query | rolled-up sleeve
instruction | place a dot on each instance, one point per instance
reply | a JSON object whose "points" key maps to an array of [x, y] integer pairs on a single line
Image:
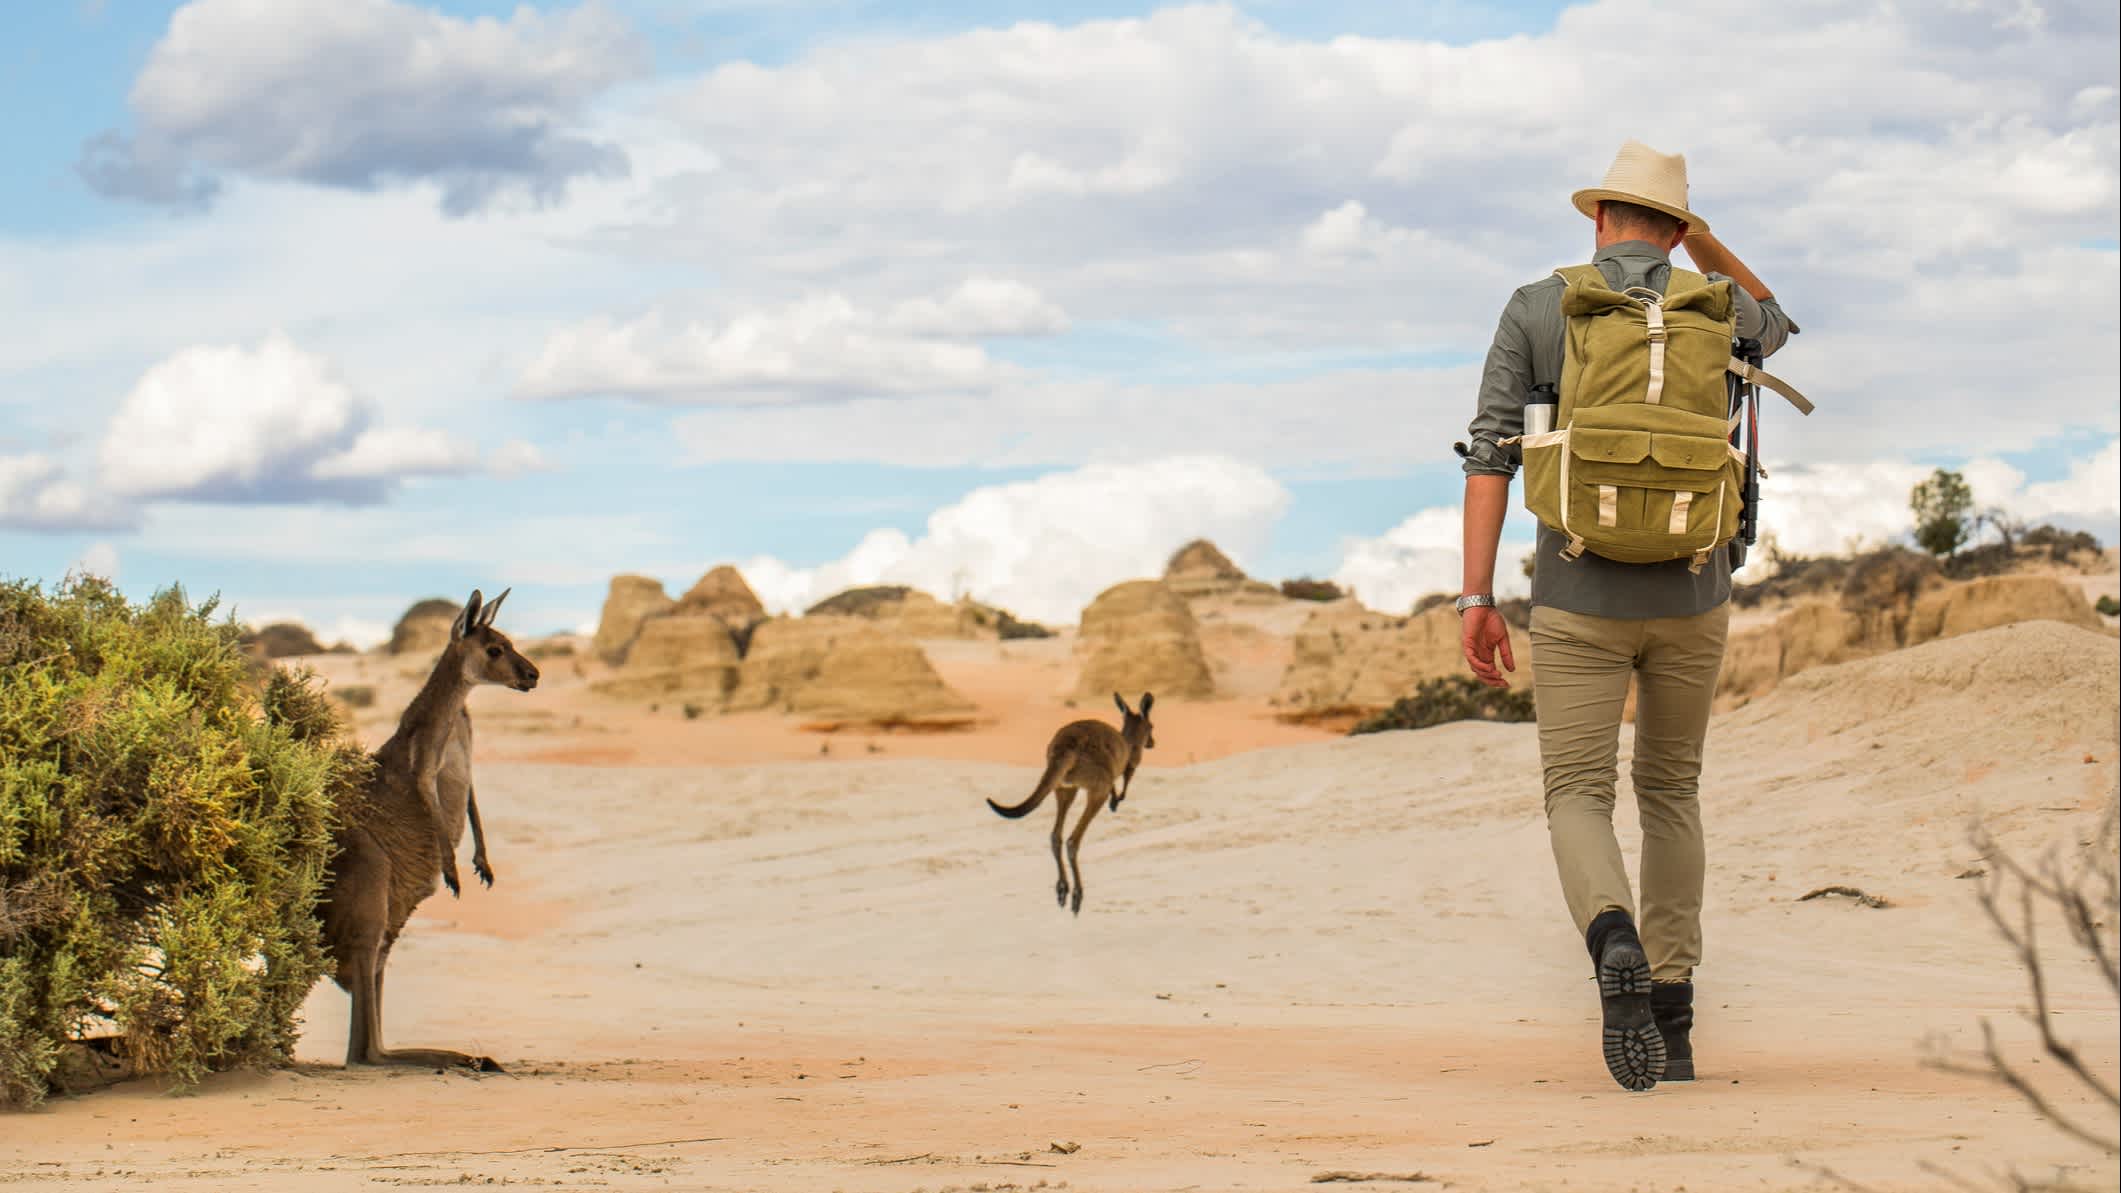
{"points": [[1761, 320], [1504, 382]]}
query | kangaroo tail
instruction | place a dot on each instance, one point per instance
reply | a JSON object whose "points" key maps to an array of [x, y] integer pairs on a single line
{"points": [[1046, 783]]}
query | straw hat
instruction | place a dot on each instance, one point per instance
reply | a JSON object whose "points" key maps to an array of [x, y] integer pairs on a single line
{"points": [[1644, 176]]}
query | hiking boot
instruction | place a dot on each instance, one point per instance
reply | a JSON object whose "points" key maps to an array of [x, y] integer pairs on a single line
{"points": [[1673, 1005], [1634, 1048]]}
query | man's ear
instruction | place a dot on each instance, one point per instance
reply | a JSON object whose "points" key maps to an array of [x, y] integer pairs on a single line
{"points": [[1677, 236]]}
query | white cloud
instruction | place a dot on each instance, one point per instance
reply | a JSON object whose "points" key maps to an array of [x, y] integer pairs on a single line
{"points": [[35, 494], [1349, 230], [2091, 490], [363, 93], [823, 348], [97, 559], [328, 626], [517, 457], [387, 452], [1363, 420], [267, 424], [1826, 510], [1422, 555], [981, 307], [1044, 548]]}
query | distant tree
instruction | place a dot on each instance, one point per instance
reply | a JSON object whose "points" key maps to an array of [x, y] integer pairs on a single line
{"points": [[1943, 506]]}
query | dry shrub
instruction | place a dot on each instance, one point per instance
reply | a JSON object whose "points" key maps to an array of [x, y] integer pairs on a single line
{"points": [[165, 824]]}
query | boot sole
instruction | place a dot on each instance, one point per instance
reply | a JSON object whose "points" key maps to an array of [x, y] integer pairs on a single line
{"points": [[1634, 1048]]}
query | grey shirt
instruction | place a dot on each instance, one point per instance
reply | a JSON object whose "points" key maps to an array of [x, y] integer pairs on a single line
{"points": [[1527, 352]]}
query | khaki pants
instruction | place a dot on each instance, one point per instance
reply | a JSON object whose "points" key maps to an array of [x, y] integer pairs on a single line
{"points": [[1580, 667]]}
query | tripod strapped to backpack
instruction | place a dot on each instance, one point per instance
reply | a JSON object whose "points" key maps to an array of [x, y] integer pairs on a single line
{"points": [[1746, 378], [1745, 403]]}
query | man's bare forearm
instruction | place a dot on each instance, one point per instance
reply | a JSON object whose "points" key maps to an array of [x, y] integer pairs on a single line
{"points": [[1713, 256], [1487, 501]]}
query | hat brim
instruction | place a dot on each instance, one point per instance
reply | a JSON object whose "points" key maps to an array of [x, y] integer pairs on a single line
{"points": [[1588, 199]]}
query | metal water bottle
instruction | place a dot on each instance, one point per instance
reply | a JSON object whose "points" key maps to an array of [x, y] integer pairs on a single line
{"points": [[1539, 408]]}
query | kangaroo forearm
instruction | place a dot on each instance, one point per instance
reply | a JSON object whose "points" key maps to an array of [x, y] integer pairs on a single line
{"points": [[1713, 256], [1487, 501]]}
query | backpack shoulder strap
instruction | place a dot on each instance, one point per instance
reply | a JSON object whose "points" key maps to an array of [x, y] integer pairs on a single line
{"points": [[1765, 379], [1582, 277], [1685, 279]]}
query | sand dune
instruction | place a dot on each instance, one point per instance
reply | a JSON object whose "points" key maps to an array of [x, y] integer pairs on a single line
{"points": [[1344, 955]]}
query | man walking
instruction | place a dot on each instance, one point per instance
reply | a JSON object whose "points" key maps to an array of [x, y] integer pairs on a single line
{"points": [[1598, 621]]}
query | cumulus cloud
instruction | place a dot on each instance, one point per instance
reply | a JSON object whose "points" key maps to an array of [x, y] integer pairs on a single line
{"points": [[1349, 230], [1805, 510], [978, 308], [36, 494], [269, 424], [1816, 511], [819, 349], [1374, 189], [1420, 556], [516, 457], [97, 559], [1044, 548], [366, 93], [1357, 419]]}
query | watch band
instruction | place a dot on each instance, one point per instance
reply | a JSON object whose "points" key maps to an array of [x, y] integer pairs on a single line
{"points": [[1475, 600]]}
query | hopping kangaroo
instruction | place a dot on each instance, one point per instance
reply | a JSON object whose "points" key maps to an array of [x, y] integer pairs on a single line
{"points": [[405, 830], [1094, 757]]}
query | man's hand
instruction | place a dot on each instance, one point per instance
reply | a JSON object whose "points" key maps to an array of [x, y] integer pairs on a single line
{"points": [[1485, 639]]}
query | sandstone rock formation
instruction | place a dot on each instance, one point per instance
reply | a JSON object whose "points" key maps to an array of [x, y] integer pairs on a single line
{"points": [[841, 668], [1349, 658], [723, 593], [1140, 637], [1998, 600], [282, 640], [631, 601], [1886, 610], [1200, 569], [424, 630], [693, 658], [911, 612]]}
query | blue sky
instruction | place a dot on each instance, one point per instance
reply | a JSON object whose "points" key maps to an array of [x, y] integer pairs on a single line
{"points": [[331, 307]]}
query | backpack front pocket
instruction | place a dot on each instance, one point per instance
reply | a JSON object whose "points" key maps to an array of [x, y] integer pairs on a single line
{"points": [[1645, 497]]}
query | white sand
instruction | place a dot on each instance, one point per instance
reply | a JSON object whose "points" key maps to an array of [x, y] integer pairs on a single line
{"points": [[1347, 955]]}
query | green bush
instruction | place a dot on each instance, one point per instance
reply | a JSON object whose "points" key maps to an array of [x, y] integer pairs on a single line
{"points": [[2108, 606], [1943, 507], [165, 825], [1450, 698], [1306, 589], [1010, 629]]}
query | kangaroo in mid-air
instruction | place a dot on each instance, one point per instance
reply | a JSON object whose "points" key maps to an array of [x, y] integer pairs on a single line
{"points": [[1094, 757], [402, 832]]}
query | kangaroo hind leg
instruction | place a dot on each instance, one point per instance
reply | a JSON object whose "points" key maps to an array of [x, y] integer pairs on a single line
{"points": [[1075, 846], [1065, 797]]}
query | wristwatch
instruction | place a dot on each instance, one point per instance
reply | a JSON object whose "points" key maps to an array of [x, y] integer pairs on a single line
{"points": [[1475, 600]]}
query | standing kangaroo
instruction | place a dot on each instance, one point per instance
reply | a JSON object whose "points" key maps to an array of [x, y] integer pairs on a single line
{"points": [[405, 827], [1094, 757]]}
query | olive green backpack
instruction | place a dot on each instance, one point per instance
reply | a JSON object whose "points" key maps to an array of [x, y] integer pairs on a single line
{"points": [[1640, 467]]}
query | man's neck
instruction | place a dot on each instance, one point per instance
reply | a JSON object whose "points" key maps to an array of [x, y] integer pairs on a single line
{"points": [[1632, 245]]}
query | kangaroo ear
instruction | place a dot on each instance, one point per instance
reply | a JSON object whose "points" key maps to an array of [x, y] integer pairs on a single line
{"points": [[467, 617], [493, 607], [1148, 698], [1122, 703]]}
